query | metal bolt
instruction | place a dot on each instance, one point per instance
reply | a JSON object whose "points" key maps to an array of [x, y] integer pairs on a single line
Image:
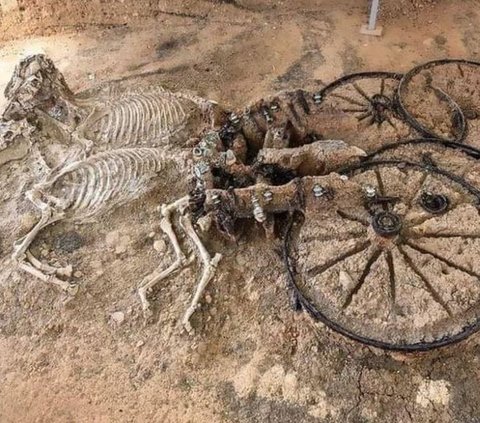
{"points": [[234, 118], [57, 111], [200, 169], [258, 212], [317, 98], [370, 191], [216, 199], [227, 158], [318, 191], [274, 107], [267, 116], [211, 138], [267, 196]]}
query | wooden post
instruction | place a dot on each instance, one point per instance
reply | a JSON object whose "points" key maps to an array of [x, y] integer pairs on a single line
{"points": [[372, 22], [371, 28]]}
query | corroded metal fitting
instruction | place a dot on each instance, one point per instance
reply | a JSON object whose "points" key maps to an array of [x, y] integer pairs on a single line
{"points": [[267, 196], [266, 114], [258, 212], [200, 169], [370, 191], [434, 203], [318, 191], [216, 200], [234, 118]]}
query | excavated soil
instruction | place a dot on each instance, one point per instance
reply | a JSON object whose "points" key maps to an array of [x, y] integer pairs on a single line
{"points": [[413, 9], [252, 359]]}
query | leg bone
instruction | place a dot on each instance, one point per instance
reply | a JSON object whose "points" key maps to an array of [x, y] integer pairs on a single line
{"points": [[209, 268], [69, 288], [180, 260], [29, 263]]}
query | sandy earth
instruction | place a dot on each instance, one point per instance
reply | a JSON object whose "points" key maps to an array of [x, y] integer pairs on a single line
{"points": [[252, 359]]}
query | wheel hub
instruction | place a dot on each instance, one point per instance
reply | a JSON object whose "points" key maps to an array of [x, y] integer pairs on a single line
{"points": [[380, 104], [386, 224], [434, 203]]}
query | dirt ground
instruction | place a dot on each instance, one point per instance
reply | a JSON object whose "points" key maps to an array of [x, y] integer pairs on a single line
{"points": [[252, 358]]}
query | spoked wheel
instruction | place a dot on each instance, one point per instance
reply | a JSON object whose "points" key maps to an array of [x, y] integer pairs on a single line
{"points": [[399, 272], [362, 110], [440, 99]]}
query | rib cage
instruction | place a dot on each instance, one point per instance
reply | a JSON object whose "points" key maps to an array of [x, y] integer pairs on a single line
{"points": [[106, 180], [144, 118]]}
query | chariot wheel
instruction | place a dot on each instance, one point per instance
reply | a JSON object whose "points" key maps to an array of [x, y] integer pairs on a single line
{"points": [[363, 110], [440, 99], [399, 272]]}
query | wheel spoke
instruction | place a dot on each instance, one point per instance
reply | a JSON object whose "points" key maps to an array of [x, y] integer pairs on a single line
{"points": [[343, 236], [357, 219], [391, 273], [381, 187], [360, 91], [390, 122], [382, 86], [429, 288], [348, 99], [447, 235], [361, 280], [355, 110], [332, 262], [421, 221], [448, 262], [415, 193], [364, 116]]}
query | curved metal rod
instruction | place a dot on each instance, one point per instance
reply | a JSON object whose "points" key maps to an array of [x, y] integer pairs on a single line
{"points": [[458, 117]]}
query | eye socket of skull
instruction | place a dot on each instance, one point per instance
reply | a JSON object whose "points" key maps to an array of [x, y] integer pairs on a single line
{"points": [[14, 111], [34, 81], [14, 141]]}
